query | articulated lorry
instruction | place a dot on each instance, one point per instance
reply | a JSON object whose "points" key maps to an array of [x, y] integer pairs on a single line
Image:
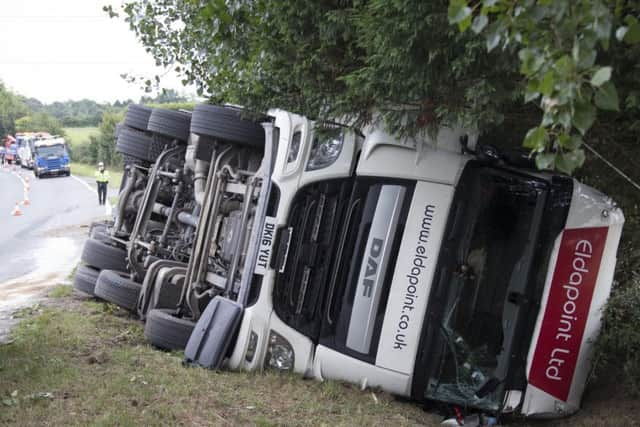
{"points": [[434, 268]]}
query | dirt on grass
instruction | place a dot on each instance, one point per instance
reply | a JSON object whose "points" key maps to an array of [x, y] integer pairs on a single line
{"points": [[75, 361]]}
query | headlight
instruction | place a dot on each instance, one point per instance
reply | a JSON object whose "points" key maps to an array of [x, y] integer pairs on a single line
{"points": [[251, 347], [294, 147], [279, 353], [325, 149]]}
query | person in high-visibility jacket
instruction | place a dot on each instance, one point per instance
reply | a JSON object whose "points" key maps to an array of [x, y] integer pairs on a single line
{"points": [[102, 179]]}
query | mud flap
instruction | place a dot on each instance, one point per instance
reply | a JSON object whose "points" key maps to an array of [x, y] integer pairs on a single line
{"points": [[213, 333]]}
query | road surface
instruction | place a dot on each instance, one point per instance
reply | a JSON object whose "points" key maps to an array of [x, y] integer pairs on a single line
{"points": [[39, 248]]}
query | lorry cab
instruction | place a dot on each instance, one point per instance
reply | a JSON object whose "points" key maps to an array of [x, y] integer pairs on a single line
{"points": [[51, 157], [410, 266]]}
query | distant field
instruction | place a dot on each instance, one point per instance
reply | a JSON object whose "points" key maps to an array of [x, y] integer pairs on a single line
{"points": [[80, 136]]}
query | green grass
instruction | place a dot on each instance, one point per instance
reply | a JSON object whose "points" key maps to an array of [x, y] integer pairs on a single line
{"points": [[86, 363], [61, 291], [80, 136], [84, 169]]}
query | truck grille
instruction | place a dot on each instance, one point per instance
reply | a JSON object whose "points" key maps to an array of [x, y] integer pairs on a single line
{"points": [[314, 220], [53, 164]]}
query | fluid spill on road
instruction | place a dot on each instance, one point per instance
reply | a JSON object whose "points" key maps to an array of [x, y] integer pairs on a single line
{"points": [[52, 261]]}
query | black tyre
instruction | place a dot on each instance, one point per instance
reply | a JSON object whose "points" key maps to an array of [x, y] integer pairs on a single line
{"points": [[226, 124], [137, 116], [116, 287], [85, 279], [170, 123], [104, 256], [136, 144], [166, 331]]}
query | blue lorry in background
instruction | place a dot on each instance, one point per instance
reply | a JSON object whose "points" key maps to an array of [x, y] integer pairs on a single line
{"points": [[51, 157]]}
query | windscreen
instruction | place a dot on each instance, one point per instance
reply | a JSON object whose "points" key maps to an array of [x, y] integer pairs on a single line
{"points": [[50, 150], [474, 305]]}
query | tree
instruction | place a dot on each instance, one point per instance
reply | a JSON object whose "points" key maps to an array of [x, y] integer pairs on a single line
{"points": [[567, 53], [341, 58], [39, 122], [331, 59], [11, 108], [165, 96], [101, 147]]}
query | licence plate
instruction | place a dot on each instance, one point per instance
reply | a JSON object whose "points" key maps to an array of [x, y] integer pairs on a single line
{"points": [[267, 238]]}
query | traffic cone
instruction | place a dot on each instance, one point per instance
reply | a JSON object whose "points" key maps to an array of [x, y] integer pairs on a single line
{"points": [[26, 201], [16, 210]]}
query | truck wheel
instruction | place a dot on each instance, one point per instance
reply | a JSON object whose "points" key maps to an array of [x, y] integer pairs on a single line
{"points": [[173, 124], [103, 256], [85, 279], [135, 143], [116, 287], [226, 124], [167, 331], [137, 117]]}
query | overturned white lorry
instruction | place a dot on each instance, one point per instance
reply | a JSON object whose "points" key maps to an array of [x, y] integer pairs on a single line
{"points": [[433, 269], [427, 271]]}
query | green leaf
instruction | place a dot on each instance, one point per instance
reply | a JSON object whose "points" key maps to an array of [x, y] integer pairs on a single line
{"points": [[546, 85], [564, 119], [583, 54], [536, 139], [493, 37], [584, 116], [458, 11], [569, 142], [607, 97], [564, 66], [479, 23], [569, 161], [464, 24], [601, 76], [632, 35], [545, 160], [621, 32], [530, 61]]}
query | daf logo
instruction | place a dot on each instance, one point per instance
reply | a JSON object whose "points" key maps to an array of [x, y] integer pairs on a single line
{"points": [[371, 270]]}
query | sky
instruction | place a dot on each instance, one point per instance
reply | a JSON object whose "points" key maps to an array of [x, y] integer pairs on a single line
{"points": [[57, 50]]}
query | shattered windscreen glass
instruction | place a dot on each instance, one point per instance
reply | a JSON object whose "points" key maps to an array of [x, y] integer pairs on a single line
{"points": [[491, 245]]}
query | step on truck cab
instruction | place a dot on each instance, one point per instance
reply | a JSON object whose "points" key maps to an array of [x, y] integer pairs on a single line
{"points": [[410, 266]]}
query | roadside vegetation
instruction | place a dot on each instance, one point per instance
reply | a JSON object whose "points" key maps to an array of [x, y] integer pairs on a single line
{"points": [[78, 362]]}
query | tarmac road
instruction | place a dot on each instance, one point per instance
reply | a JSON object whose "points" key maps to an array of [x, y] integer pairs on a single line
{"points": [[40, 247]]}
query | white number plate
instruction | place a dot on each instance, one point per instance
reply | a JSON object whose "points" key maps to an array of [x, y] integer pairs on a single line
{"points": [[267, 238]]}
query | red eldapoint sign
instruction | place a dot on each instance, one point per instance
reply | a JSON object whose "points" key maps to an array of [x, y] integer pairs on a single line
{"points": [[565, 316]]}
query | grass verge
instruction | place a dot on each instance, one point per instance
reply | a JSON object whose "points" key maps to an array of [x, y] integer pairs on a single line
{"points": [[76, 363], [73, 361], [87, 170]]}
